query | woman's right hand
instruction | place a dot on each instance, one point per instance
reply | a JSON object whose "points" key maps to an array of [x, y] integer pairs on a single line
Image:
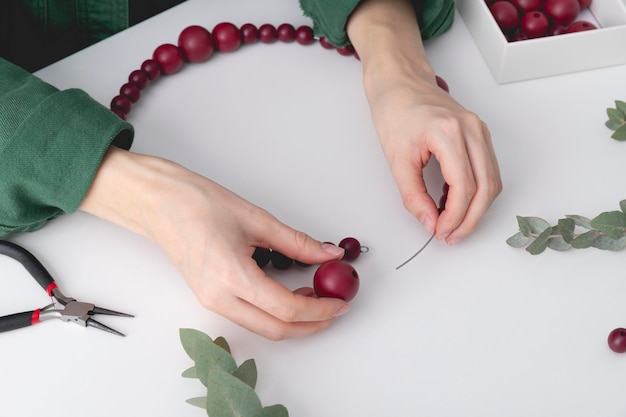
{"points": [[209, 234]]}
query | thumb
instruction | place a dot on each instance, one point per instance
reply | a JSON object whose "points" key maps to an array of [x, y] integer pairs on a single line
{"points": [[302, 247]]}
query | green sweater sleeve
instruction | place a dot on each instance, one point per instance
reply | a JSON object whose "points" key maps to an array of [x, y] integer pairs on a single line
{"points": [[330, 17], [51, 144]]}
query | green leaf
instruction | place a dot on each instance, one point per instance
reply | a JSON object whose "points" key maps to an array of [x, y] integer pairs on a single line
{"points": [[192, 339], [620, 105], [580, 221], [228, 396], [620, 133], [613, 223], [221, 342], [277, 410], [247, 372], [556, 241], [585, 240], [566, 229], [190, 373], [622, 206], [198, 402], [612, 125], [213, 357], [518, 240], [616, 116], [606, 243], [540, 243], [532, 225]]}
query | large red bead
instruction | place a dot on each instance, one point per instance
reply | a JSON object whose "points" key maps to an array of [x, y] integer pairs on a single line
{"points": [[304, 35], [227, 37], [249, 33], [196, 43], [286, 32], [267, 33], [151, 68], [169, 57]]}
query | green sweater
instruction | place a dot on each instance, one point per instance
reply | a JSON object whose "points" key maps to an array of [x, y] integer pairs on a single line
{"points": [[52, 142]]}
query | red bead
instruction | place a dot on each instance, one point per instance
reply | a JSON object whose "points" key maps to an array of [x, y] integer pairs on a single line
{"points": [[196, 43], [249, 33], [227, 37], [121, 103], [138, 78], [267, 33], [286, 32], [346, 50], [352, 248], [151, 68], [442, 84], [169, 57], [304, 35], [326, 44], [617, 340], [131, 91]]}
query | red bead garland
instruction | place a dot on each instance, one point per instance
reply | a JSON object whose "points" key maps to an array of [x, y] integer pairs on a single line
{"points": [[197, 44]]}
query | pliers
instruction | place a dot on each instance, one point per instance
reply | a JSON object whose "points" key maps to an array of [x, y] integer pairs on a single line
{"points": [[62, 307]]}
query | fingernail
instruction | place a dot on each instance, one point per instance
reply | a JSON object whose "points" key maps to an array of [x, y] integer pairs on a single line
{"points": [[443, 236], [332, 249], [342, 310], [427, 223], [452, 241]]}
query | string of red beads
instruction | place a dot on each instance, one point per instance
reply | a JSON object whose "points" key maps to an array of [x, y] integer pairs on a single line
{"points": [[197, 44]]}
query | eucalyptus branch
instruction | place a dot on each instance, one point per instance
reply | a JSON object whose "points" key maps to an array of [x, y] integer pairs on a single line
{"points": [[617, 120], [606, 231]]}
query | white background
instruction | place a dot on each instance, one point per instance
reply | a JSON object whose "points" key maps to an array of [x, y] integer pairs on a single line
{"points": [[477, 329]]}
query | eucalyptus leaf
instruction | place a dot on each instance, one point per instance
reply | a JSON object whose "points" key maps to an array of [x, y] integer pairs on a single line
{"points": [[276, 410], [518, 240], [620, 133], [524, 226], [535, 225], [620, 105], [190, 373], [616, 116], [198, 402], [192, 339], [556, 241], [622, 206], [228, 396], [247, 372], [606, 243], [213, 357], [613, 223], [221, 342], [540, 243], [566, 229], [612, 125], [580, 221], [585, 240]]}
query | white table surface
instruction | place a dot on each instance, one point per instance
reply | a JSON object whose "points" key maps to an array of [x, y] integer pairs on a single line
{"points": [[477, 329]]}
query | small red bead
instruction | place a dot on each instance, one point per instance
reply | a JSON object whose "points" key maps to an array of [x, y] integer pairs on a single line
{"points": [[326, 44], [227, 37], [196, 43], [304, 35], [151, 68], [131, 91], [121, 103], [169, 57], [249, 33], [286, 33], [138, 78], [267, 33], [346, 50], [352, 248]]}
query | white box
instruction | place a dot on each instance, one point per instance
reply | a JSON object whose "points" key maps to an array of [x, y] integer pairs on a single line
{"points": [[552, 55]]}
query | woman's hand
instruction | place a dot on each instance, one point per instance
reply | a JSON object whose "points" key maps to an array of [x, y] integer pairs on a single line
{"points": [[415, 119], [209, 234]]}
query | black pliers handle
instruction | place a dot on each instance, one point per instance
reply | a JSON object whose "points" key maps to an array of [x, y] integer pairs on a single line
{"points": [[64, 308]]}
